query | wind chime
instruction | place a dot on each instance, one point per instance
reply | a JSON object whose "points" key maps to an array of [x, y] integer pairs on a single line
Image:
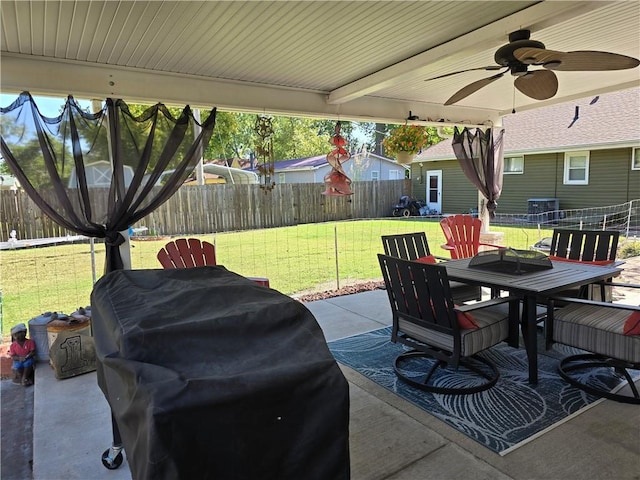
{"points": [[336, 181], [264, 152]]}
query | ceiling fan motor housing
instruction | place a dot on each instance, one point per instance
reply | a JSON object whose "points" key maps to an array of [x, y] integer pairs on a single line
{"points": [[504, 55]]}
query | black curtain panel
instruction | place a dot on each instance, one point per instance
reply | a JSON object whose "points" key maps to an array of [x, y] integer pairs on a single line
{"points": [[480, 155], [98, 173]]}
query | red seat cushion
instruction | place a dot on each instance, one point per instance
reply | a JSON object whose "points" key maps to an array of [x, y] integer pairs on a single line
{"points": [[428, 259], [466, 321], [632, 325], [589, 262]]}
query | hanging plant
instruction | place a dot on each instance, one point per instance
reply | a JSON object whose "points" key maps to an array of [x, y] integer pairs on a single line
{"points": [[406, 138]]}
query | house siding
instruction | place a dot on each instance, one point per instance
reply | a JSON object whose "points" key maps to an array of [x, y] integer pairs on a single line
{"points": [[611, 182], [458, 193], [358, 170], [539, 180]]}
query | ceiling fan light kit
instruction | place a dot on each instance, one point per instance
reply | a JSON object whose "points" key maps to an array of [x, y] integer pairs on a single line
{"points": [[521, 53]]}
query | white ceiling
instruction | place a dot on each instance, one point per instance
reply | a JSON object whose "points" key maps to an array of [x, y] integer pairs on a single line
{"points": [[355, 60]]}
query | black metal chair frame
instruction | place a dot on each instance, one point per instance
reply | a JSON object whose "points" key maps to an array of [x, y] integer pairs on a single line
{"points": [[419, 295], [585, 246], [590, 360], [411, 246]]}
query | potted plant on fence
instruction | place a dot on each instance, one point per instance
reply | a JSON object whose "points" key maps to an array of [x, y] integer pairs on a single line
{"points": [[405, 142]]}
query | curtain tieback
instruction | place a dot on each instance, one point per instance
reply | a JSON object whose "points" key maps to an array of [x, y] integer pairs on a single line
{"points": [[114, 239]]}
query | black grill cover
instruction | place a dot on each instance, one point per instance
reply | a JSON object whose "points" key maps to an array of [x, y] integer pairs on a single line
{"points": [[210, 376]]}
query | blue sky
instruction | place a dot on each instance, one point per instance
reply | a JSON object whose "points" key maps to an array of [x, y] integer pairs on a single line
{"points": [[48, 106]]}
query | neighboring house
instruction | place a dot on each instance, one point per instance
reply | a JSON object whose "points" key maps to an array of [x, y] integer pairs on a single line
{"points": [[9, 182], [585, 153], [360, 167], [99, 175]]}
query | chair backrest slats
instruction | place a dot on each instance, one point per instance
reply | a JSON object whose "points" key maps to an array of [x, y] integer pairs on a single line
{"points": [[183, 253], [462, 232], [408, 246], [585, 245], [419, 293]]}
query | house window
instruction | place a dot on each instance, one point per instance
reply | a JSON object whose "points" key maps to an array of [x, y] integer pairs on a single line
{"points": [[281, 178], [375, 175], [635, 159], [576, 168], [394, 175], [513, 165]]}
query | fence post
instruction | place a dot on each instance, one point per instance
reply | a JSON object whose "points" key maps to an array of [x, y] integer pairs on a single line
{"points": [[335, 237], [629, 218], [93, 259]]}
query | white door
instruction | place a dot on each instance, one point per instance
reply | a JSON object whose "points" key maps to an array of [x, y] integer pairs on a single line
{"points": [[434, 191]]}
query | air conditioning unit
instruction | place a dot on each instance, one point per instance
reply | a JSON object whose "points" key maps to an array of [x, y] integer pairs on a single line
{"points": [[543, 210]]}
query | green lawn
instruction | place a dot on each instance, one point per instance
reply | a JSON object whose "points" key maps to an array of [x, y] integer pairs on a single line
{"points": [[295, 259]]}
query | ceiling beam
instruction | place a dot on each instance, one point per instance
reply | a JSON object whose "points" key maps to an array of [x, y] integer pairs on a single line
{"points": [[94, 81], [537, 16]]}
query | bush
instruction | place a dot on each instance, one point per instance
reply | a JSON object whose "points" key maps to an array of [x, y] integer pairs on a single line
{"points": [[631, 249]]}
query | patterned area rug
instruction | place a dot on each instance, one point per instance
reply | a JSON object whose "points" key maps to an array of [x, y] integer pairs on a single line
{"points": [[500, 418]]}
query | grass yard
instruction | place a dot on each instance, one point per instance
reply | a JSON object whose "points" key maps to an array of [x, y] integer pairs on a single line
{"points": [[296, 259]]}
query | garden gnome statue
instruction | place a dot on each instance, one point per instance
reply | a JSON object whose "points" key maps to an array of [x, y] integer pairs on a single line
{"points": [[22, 351]]}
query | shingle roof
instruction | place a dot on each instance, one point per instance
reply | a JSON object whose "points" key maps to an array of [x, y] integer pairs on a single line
{"points": [[612, 119], [310, 162], [307, 162]]}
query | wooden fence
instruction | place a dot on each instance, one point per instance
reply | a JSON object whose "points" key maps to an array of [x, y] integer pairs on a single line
{"points": [[220, 208]]}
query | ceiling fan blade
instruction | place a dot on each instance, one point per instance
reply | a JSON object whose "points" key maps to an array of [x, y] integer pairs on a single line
{"points": [[581, 60], [472, 88], [487, 68], [539, 84]]}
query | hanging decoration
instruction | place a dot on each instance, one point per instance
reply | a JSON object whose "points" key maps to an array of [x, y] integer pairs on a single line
{"points": [[336, 181], [264, 152]]}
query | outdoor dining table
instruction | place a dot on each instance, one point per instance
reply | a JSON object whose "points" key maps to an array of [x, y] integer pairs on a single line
{"points": [[530, 286]]}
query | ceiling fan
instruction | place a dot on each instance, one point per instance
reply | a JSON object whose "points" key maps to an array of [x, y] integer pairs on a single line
{"points": [[521, 53]]}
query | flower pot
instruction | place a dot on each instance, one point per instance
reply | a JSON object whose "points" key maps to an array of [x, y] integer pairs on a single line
{"points": [[404, 157]]}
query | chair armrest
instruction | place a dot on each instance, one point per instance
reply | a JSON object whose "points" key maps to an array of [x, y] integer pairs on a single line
{"points": [[486, 303], [490, 245], [446, 246], [581, 301], [442, 259], [622, 285]]}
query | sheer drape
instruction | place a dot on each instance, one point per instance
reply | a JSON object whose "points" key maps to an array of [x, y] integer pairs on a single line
{"points": [[98, 173], [481, 158]]}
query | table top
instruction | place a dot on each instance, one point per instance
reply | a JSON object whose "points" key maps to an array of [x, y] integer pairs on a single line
{"points": [[563, 275]]}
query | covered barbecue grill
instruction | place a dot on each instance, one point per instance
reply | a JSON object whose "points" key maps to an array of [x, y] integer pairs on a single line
{"points": [[209, 375]]}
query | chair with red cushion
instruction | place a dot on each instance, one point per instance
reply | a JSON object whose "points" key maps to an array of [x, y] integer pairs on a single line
{"points": [[415, 247], [444, 336], [183, 253], [462, 235], [610, 332], [595, 247]]}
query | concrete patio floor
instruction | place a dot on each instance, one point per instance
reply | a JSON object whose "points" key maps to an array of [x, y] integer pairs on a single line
{"points": [[390, 438]]}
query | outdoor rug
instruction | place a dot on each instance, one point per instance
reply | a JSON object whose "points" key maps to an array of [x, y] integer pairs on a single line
{"points": [[501, 418]]}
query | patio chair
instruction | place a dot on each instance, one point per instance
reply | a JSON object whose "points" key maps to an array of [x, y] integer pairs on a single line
{"points": [[414, 246], [183, 253], [596, 247], [462, 233], [426, 320], [609, 332]]}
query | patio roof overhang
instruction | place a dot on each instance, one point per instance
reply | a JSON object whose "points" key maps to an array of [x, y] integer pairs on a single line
{"points": [[364, 61]]}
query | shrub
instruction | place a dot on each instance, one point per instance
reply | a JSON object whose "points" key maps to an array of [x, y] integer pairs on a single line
{"points": [[631, 249]]}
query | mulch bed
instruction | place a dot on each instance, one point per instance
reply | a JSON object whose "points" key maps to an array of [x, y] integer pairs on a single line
{"points": [[347, 290]]}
